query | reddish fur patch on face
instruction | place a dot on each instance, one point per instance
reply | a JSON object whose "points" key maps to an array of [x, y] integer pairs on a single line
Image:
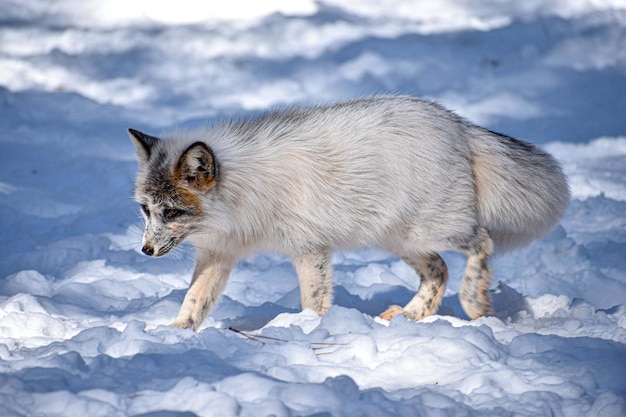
{"points": [[189, 199], [170, 194]]}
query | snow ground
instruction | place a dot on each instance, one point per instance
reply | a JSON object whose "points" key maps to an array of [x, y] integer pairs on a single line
{"points": [[83, 315]]}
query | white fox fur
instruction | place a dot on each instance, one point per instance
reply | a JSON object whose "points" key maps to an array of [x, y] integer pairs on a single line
{"points": [[398, 173]]}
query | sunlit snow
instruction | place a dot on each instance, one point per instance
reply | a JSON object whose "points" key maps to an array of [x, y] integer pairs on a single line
{"points": [[84, 315]]}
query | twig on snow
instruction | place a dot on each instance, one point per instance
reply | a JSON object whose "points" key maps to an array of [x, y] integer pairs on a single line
{"points": [[316, 345]]}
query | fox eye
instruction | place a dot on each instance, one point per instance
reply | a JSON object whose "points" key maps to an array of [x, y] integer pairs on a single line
{"points": [[145, 209], [170, 214]]}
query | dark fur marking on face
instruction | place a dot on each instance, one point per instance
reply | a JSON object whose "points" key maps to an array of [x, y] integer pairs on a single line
{"points": [[164, 193]]}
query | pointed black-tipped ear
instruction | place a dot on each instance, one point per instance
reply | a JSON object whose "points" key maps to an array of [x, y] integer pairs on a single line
{"points": [[196, 167], [143, 143]]}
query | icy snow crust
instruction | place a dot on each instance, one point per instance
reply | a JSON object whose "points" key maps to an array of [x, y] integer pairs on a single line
{"points": [[83, 315]]}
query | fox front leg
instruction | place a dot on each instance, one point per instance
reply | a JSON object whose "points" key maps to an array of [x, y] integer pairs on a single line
{"points": [[207, 286], [315, 275]]}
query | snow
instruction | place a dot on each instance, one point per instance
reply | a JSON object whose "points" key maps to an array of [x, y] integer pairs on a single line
{"points": [[84, 315]]}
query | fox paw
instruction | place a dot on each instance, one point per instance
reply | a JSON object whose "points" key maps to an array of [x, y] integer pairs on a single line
{"points": [[391, 312], [183, 324]]}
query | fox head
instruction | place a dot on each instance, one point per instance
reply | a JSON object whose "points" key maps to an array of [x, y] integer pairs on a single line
{"points": [[169, 190]]}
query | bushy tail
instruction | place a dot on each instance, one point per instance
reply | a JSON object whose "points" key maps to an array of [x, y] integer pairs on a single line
{"points": [[521, 189]]}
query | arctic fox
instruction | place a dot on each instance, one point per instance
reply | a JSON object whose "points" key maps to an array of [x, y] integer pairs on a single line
{"points": [[398, 173]]}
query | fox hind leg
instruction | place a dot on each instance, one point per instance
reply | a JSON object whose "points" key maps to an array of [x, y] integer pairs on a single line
{"points": [[474, 295], [315, 275], [433, 274]]}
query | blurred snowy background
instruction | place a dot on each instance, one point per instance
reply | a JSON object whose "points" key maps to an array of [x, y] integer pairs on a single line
{"points": [[83, 313]]}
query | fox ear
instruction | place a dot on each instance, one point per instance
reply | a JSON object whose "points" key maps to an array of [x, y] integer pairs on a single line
{"points": [[143, 143], [197, 167]]}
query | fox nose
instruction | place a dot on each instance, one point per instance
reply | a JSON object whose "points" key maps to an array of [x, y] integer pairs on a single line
{"points": [[148, 250]]}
